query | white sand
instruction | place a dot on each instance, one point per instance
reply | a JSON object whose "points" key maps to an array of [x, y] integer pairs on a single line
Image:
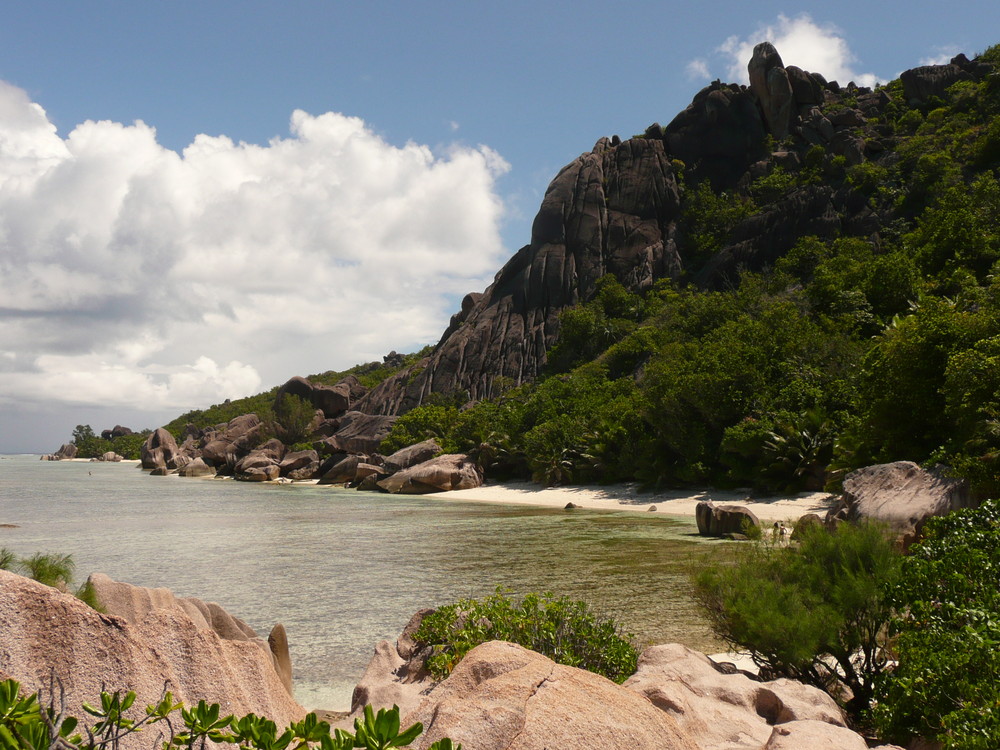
{"points": [[625, 497]]}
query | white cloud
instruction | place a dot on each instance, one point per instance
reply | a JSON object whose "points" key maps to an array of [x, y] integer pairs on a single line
{"points": [[941, 56], [134, 275], [697, 70], [802, 42]]}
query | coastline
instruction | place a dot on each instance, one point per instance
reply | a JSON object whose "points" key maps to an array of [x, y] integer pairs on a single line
{"points": [[619, 498], [627, 498]]}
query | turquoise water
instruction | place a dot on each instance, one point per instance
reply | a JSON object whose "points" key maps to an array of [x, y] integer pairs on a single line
{"points": [[340, 568]]}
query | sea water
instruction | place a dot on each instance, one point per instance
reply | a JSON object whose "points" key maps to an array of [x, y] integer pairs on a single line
{"points": [[342, 569]]}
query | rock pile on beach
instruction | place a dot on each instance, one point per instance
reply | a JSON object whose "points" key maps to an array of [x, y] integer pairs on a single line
{"points": [[344, 452]]}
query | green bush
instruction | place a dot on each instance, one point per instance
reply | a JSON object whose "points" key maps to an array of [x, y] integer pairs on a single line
{"points": [[564, 630], [27, 724], [946, 685], [799, 609]]}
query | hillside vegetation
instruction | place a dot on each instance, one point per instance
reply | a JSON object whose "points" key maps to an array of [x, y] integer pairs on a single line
{"points": [[846, 350]]}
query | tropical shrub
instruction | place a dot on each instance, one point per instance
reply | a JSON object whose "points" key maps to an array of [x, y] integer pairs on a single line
{"points": [[51, 569], [946, 684], [564, 630], [815, 611], [27, 724]]}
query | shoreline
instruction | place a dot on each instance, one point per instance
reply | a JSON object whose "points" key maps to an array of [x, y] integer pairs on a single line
{"points": [[619, 498], [627, 498]]}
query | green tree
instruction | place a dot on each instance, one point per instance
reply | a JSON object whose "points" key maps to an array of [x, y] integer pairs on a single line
{"points": [[89, 445], [293, 418], [799, 609], [946, 684]]}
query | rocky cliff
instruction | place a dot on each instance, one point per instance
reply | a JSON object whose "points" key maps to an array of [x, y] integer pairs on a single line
{"points": [[618, 209]]}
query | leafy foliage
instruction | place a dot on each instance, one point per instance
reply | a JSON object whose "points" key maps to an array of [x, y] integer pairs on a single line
{"points": [[90, 445], [946, 685], [564, 630], [26, 725], [799, 609]]}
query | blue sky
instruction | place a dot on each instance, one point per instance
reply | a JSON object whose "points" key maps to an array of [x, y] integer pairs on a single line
{"points": [[225, 243]]}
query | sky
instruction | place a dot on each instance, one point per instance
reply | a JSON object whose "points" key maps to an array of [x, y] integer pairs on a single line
{"points": [[201, 200]]}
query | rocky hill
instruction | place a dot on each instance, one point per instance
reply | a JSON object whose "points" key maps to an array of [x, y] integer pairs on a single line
{"points": [[618, 210], [789, 280]]}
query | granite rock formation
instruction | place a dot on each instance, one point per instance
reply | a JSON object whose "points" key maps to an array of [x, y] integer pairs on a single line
{"points": [[450, 471], [44, 630], [719, 520], [616, 210], [900, 494]]}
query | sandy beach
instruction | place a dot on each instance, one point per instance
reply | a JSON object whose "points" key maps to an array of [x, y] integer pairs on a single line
{"points": [[625, 497]]}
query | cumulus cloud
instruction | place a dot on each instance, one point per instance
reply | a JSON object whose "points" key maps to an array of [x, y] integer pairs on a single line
{"points": [[134, 275], [697, 70], [800, 41]]}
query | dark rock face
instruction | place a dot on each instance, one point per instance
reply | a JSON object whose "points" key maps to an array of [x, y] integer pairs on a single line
{"points": [[920, 84], [719, 520], [361, 433], [234, 440], [766, 236], [719, 135], [332, 400], [610, 211], [406, 457], [158, 450], [769, 81]]}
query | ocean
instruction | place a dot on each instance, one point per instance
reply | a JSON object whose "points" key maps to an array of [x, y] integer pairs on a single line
{"points": [[342, 569]]}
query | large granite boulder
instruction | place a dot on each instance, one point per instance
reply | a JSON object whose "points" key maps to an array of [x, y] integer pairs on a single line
{"points": [[332, 400], [343, 471], [719, 520], [504, 697], [719, 135], [232, 441], [411, 455], [196, 467], [267, 473], [44, 631], [923, 83], [451, 471], [770, 84], [610, 211], [397, 674], [116, 432], [360, 433], [109, 457], [901, 495], [727, 710], [158, 450], [299, 465]]}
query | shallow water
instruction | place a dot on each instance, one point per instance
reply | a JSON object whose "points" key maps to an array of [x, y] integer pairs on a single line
{"points": [[340, 568]]}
